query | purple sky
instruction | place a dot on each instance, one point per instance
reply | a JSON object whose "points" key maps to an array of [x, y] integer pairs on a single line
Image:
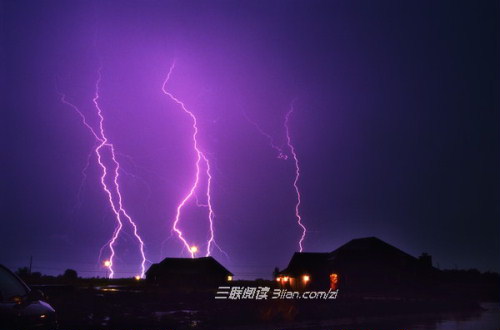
{"points": [[395, 126]]}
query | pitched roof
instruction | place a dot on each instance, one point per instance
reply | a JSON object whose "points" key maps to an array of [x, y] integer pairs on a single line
{"points": [[353, 252], [189, 266], [305, 262], [369, 246]]}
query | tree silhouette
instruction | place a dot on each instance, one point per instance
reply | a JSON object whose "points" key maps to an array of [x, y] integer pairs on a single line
{"points": [[70, 274]]}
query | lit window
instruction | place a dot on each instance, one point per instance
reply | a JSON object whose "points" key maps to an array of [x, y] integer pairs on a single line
{"points": [[334, 281], [229, 278]]}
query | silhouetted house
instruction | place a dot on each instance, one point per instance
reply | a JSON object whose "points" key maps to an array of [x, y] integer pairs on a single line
{"points": [[189, 273], [367, 265], [306, 270]]}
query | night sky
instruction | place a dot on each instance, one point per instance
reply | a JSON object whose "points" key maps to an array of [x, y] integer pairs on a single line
{"points": [[396, 127]]}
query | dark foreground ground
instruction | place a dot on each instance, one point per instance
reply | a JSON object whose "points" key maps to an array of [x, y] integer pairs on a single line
{"points": [[118, 305]]}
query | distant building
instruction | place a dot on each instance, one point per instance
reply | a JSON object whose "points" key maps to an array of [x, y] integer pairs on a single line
{"points": [[367, 265], [205, 272]]}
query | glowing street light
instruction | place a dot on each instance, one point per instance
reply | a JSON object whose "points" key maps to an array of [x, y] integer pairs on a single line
{"points": [[306, 278], [137, 277], [193, 249]]}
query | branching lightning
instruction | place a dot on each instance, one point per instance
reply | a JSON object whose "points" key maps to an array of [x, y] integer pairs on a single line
{"points": [[270, 139], [201, 159], [282, 155], [102, 149]]}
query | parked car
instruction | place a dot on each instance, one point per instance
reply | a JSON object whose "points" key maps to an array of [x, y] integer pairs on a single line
{"points": [[22, 307]]}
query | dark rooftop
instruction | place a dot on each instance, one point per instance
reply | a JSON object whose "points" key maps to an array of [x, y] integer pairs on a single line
{"points": [[368, 248], [189, 266], [369, 245]]}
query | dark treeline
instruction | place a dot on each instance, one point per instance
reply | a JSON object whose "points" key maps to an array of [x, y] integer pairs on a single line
{"points": [[100, 303]]}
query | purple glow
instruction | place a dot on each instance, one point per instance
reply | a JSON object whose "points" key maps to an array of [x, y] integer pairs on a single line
{"points": [[200, 156], [367, 164]]}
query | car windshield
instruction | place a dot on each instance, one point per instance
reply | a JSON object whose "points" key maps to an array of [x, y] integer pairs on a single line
{"points": [[10, 286]]}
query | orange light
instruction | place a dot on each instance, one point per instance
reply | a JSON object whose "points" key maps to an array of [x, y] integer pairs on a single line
{"points": [[285, 279], [278, 279], [193, 249], [137, 277], [334, 281], [107, 263], [229, 278], [306, 278]]}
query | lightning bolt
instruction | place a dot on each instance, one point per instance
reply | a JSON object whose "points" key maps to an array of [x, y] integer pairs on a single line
{"points": [[201, 159], [297, 176], [284, 156], [109, 178]]}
